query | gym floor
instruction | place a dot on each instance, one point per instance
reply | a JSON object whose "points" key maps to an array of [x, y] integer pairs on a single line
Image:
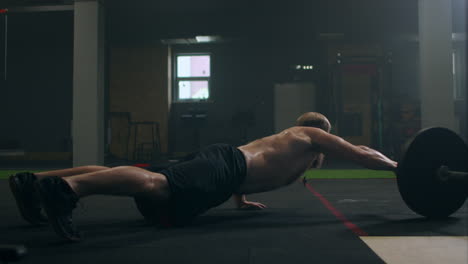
{"points": [[325, 221]]}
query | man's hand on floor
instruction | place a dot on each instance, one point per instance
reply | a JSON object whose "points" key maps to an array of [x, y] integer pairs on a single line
{"points": [[243, 204], [247, 205]]}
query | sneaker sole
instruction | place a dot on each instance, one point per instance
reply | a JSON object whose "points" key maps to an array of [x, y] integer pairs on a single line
{"points": [[15, 190], [56, 224]]}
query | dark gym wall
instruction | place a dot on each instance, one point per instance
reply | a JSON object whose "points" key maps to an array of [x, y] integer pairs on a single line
{"points": [[403, 115], [3, 22], [37, 95], [138, 85], [240, 108], [466, 83], [138, 75], [4, 143], [265, 41]]}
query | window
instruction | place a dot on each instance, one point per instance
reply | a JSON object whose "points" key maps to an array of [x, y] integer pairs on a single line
{"points": [[192, 77]]}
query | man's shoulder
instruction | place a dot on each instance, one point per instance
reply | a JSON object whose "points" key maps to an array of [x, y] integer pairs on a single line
{"points": [[315, 136], [309, 131]]}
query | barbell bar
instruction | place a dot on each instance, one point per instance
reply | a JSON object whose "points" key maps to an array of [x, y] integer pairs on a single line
{"points": [[444, 174]]}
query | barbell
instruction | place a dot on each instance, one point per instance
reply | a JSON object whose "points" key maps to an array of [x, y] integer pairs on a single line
{"points": [[432, 175]]}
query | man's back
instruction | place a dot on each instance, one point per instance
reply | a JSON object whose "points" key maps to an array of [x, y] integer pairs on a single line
{"points": [[277, 160]]}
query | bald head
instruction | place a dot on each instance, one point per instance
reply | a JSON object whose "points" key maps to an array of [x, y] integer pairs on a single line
{"points": [[314, 119]]}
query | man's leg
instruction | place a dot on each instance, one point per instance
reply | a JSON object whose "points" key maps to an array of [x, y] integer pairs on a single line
{"points": [[22, 188], [121, 181], [60, 195], [70, 171]]}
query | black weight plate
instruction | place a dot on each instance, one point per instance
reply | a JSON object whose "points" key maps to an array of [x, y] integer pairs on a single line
{"points": [[416, 172]]}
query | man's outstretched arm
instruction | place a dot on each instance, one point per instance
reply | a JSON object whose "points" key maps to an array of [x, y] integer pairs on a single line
{"points": [[243, 204], [335, 146]]}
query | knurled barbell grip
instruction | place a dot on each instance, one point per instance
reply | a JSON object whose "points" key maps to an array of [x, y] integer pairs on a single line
{"points": [[444, 174]]}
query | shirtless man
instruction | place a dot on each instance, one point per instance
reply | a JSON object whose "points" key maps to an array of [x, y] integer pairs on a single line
{"points": [[176, 195]]}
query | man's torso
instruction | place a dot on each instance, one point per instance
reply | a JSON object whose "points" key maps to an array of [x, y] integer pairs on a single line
{"points": [[277, 160]]}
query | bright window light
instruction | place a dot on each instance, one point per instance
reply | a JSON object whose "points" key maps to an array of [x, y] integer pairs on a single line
{"points": [[192, 80]]}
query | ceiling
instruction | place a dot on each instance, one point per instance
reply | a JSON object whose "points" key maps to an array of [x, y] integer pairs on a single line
{"points": [[279, 20], [298, 19]]}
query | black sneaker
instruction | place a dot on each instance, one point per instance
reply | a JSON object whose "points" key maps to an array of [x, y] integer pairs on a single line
{"points": [[22, 187], [59, 200]]}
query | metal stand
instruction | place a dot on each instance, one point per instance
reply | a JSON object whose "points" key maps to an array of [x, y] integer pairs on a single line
{"points": [[145, 150]]}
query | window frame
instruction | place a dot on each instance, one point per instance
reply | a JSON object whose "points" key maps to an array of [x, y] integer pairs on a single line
{"points": [[176, 79]]}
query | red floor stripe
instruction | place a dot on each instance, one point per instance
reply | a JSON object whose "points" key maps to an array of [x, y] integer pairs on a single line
{"points": [[354, 228]]}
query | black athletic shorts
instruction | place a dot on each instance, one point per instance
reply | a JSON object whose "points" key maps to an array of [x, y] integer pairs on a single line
{"points": [[199, 182]]}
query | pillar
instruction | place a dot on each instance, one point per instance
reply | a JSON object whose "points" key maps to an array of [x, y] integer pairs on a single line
{"points": [[88, 84], [435, 64]]}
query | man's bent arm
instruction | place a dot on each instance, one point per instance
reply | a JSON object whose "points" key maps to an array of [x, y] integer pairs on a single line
{"points": [[336, 146], [239, 199]]}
